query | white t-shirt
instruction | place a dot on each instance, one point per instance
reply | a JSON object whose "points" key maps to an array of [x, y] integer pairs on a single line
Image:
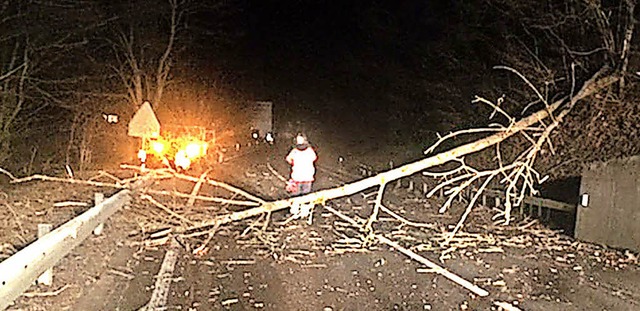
{"points": [[302, 168]]}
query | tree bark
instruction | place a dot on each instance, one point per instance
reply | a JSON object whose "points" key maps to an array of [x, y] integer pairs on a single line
{"points": [[626, 44]]}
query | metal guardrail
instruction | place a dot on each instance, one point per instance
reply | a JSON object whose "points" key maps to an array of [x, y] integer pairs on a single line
{"points": [[535, 202], [18, 272]]}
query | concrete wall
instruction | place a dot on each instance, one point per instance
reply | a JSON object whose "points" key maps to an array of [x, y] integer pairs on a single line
{"points": [[612, 216]]}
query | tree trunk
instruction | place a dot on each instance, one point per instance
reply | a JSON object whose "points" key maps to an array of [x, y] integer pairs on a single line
{"points": [[626, 44], [590, 87]]}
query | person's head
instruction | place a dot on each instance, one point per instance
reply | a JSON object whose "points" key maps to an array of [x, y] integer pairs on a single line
{"points": [[301, 141]]}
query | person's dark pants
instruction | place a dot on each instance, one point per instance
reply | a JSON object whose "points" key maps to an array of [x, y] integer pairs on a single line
{"points": [[303, 187]]}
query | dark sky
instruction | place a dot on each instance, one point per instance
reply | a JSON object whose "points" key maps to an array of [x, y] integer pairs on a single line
{"points": [[350, 61], [324, 31]]}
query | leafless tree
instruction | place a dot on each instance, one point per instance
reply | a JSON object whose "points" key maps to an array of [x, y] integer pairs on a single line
{"points": [[143, 59], [43, 66]]}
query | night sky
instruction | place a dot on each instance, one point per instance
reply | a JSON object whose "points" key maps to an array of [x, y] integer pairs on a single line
{"points": [[368, 64]]}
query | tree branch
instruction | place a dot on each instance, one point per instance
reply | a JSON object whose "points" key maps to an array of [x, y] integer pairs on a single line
{"points": [[595, 84]]}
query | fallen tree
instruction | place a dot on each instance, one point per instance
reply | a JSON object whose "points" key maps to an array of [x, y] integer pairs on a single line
{"points": [[519, 176], [519, 170]]}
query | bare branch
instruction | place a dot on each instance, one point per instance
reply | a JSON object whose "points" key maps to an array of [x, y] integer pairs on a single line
{"points": [[595, 84], [11, 72], [542, 99]]}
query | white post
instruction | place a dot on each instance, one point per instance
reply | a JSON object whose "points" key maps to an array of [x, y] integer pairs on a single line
{"points": [[97, 199], [45, 278]]}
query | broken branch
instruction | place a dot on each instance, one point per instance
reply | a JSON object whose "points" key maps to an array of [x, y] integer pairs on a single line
{"points": [[436, 268], [166, 209], [202, 198], [593, 85], [196, 188]]}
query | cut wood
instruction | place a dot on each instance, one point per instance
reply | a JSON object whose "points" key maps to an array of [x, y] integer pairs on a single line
{"points": [[506, 306], [70, 203]]}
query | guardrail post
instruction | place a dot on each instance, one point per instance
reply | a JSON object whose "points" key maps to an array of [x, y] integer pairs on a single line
{"points": [[97, 199], [45, 278], [540, 210], [548, 215]]}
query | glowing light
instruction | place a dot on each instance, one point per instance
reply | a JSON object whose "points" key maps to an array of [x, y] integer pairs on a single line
{"points": [[195, 150], [158, 147], [142, 155], [182, 160], [182, 150]]}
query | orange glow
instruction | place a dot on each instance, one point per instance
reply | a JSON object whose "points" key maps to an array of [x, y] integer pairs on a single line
{"points": [[182, 150]]}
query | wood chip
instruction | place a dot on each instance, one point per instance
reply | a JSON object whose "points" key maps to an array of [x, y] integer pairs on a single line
{"points": [[230, 301], [315, 265], [46, 294], [506, 306], [70, 203], [239, 262], [128, 276]]}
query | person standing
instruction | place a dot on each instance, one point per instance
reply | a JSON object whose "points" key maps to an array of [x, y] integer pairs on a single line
{"points": [[302, 160]]}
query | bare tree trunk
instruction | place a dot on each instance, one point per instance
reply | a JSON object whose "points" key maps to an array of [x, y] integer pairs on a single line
{"points": [[626, 45], [604, 26], [72, 138], [144, 74], [593, 85], [164, 64], [13, 96], [20, 88]]}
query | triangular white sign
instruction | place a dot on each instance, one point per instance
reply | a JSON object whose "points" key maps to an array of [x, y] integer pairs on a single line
{"points": [[144, 123]]}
